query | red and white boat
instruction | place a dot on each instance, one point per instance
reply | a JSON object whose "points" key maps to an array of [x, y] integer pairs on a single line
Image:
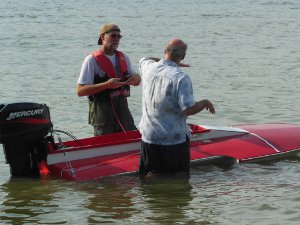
{"points": [[27, 137]]}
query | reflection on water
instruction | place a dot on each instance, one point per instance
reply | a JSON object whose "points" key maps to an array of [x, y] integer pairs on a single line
{"points": [[250, 192], [25, 200], [167, 199], [109, 199], [126, 198], [211, 196]]}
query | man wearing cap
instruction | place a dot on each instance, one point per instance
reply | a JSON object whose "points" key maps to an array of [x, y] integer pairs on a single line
{"points": [[105, 77]]}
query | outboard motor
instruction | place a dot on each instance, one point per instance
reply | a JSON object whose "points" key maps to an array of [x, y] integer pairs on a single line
{"points": [[23, 133]]}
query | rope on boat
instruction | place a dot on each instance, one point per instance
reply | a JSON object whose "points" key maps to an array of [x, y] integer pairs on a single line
{"points": [[113, 107], [67, 160], [68, 134]]}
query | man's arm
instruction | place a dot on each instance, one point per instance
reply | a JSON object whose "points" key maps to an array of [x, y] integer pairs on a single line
{"points": [[90, 89], [199, 106], [154, 58], [134, 79]]}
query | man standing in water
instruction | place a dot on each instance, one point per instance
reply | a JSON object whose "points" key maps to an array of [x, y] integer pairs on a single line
{"points": [[106, 76], [167, 102]]}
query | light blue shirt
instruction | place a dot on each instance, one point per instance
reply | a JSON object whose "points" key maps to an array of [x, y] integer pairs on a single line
{"points": [[167, 92]]}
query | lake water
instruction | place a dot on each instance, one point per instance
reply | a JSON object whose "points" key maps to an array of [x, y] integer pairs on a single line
{"points": [[244, 56]]}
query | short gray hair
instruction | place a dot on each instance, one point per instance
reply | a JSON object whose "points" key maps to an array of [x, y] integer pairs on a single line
{"points": [[176, 51]]}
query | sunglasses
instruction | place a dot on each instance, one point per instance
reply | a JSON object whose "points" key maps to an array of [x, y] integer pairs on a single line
{"points": [[115, 35]]}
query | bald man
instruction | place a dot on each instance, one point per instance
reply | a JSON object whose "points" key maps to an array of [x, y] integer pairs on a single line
{"points": [[167, 102]]}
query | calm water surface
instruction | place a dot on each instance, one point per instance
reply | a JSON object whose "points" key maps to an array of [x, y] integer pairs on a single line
{"points": [[245, 57]]}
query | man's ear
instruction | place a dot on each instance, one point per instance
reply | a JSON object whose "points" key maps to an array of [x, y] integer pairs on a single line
{"points": [[183, 56], [102, 36]]}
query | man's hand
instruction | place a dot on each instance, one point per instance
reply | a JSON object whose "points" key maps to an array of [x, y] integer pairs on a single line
{"points": [[134, 80], [184, 65], [199, 106], [114, 83], [210, 107]]}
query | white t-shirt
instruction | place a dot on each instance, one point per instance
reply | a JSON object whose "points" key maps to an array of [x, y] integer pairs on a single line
{"points": [[90, 68]]}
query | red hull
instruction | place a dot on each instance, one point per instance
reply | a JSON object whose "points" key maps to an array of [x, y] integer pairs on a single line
{"points": [[116, 154]]}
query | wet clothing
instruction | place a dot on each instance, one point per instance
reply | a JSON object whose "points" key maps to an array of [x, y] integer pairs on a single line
{"points": [[105, 105], [166, 159], [167, 92]]}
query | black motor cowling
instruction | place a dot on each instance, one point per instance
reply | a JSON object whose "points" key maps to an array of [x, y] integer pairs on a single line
{"points": [[23, 132]]}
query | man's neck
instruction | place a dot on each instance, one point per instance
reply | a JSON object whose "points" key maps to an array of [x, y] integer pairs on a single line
{"points": [[107, 51], [175, 60]]}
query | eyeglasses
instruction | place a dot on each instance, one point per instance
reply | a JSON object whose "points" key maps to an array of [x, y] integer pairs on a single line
{"points": [[115, 35]]}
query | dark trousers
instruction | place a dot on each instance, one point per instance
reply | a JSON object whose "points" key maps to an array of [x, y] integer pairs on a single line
{"points": [[164, 159]]}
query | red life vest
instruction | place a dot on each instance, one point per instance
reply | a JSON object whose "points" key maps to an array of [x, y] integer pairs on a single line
{"points": [[106, 65]]}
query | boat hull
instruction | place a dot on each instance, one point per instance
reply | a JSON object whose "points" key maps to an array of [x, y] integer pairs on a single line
{"points": [[116, 154]]}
